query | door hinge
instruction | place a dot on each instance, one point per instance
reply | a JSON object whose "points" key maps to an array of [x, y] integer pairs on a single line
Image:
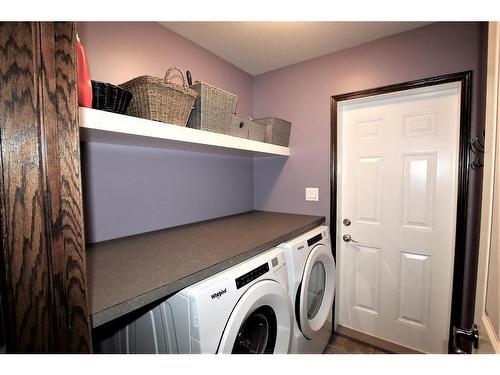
{"points": [[467, 334]]}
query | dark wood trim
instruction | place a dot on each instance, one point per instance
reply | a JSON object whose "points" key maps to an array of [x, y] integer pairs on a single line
{"points": [[2, 329], [42, 269], [465, 78], [333, 189], [464, 169]]}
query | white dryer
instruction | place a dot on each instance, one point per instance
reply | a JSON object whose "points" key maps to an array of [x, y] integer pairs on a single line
{"points": [[244, 309], [311, 270]]}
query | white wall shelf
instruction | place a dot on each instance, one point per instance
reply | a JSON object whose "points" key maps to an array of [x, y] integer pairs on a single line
{"points": [[106, 127]]}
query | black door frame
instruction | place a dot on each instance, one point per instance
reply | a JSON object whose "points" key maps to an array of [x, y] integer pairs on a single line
{"points": [[465, 78]]}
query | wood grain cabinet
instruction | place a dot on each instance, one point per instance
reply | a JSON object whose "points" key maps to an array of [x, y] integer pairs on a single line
{"points": [[42, 257]]}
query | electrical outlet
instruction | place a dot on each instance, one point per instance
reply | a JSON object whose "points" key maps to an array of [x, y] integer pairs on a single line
{"points": [[312, 194]]}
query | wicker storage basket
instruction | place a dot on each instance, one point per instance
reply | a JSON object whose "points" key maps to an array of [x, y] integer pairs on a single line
{"points": [[245, 127], [213, 110], [161, 100], [111, 98], [277, 130]]}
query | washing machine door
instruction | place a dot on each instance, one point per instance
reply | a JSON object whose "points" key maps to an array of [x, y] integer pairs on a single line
{"points": [[261, 322], [317, 290]]}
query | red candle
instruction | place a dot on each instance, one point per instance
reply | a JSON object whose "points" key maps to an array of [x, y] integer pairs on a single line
{"points": [[84, 84]]}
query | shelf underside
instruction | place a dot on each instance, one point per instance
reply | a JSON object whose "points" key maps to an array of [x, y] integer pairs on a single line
{"points": [[105, 127]]}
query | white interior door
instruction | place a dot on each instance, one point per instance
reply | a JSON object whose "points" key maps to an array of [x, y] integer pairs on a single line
{"points": [[398, 171], [487, 308]]}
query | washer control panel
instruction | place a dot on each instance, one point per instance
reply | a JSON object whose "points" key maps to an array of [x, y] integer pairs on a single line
{"points": [[252, 275]]}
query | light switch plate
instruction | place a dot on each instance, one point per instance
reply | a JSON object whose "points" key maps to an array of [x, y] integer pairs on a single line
{"points": [[312, 194]]}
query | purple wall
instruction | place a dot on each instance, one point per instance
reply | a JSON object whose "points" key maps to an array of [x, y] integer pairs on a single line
{"points": [[130, 190], [119, 51], [301, 94], [167, 192]]}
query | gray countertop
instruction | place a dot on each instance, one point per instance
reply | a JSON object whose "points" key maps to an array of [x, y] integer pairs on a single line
{"points": [[128, 273]]}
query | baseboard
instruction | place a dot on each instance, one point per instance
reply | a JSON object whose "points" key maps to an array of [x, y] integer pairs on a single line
{"points": [[375, 341]]}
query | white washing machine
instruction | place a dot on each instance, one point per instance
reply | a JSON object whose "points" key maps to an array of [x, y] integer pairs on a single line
{"points": [[311, 285], [244, 309]]}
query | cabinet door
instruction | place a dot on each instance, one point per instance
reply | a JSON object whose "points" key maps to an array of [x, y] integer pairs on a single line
{"points": [[42, 258]]}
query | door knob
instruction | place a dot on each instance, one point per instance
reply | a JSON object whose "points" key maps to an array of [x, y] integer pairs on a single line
{"points": [[348, 238]]}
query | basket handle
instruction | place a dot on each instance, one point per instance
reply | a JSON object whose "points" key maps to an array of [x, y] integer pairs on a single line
{"points": [[179, 70]]}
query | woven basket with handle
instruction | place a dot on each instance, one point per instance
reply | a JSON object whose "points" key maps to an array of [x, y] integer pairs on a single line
{"points": [[160, 99]]}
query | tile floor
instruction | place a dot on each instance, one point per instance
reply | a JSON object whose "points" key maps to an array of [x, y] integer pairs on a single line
{"points": [[344, 345]]}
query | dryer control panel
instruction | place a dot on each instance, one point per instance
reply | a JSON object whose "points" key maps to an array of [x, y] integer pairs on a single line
{"points": [[252, 275], [315, 239]]}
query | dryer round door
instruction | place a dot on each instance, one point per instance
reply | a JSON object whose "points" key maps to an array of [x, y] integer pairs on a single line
{"points": [[261, 322], [317, 290]]}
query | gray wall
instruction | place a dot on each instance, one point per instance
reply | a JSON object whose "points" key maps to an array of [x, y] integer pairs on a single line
{"points": [[301, 94]]}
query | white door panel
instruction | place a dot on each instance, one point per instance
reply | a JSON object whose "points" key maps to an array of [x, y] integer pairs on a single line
{"points": [[369, 190], [366, 274], [414, 288], [419, 190], [398, 163]]}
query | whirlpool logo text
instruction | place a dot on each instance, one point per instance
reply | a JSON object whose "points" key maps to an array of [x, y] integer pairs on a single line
{"points": [[219, 293]]}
